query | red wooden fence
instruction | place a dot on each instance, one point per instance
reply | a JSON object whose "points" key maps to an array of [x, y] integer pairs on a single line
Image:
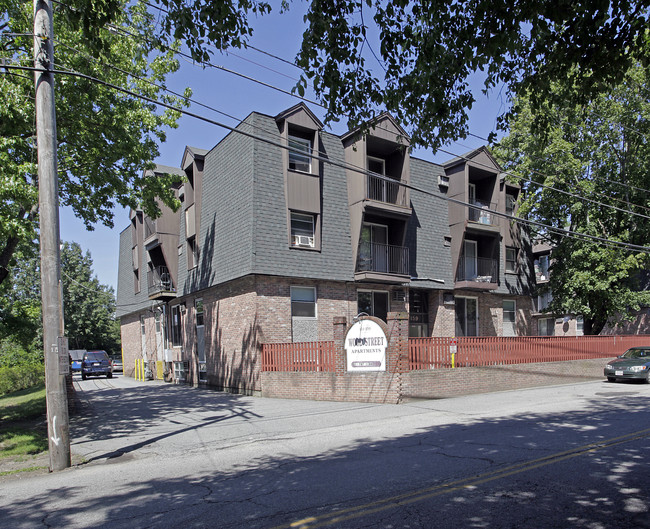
{"points": [[436, 353], [433, 353], [299, 356]]}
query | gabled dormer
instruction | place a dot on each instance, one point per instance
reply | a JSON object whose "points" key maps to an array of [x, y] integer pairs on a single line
{"points": [[378, 167], [160, 244], [190, 194], [300, 132]]}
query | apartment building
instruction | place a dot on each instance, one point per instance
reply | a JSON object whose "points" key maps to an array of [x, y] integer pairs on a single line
{"points": [[284, 227]]}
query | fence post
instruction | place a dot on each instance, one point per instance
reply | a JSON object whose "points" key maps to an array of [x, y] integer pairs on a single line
{"points": [[340, 328]]}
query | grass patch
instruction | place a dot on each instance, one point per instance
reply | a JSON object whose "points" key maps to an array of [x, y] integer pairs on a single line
{"points": [[17, 441], [23, 429]]}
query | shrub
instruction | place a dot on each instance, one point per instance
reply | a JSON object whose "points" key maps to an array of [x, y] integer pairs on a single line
{"points": [[20, 377]]}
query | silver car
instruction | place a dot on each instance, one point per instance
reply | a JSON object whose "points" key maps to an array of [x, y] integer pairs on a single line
{"points": [[633, 364]]}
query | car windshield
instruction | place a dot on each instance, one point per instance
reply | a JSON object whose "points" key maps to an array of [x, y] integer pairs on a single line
{"points": [[637, 353], [95, 357]]}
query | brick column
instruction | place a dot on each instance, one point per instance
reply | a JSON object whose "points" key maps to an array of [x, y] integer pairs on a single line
{"points": [[340, 328]]}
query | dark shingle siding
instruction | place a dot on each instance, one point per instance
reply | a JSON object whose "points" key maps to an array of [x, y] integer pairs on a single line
{"points": [[427, 228], [273, 255], [127, 300]]}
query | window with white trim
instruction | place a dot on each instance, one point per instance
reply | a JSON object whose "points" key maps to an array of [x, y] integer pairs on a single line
{"points": [[303, 302], [299, 154], [302, 230], [511, 259], [544, 300], [198, 308]]}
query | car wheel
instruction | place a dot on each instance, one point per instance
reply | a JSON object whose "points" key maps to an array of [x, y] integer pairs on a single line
{"points": [[647, 380], [109, 375], [611, 379]]}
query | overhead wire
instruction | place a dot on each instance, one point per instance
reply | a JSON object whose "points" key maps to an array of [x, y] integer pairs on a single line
{"points": [[566, 232]]}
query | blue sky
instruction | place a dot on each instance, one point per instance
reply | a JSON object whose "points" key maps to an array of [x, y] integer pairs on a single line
{"points": [[279, 35]]}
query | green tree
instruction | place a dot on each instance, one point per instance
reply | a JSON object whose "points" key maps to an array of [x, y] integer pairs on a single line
{"points": [[415, 59], [89, 307], [106, 138], [589, 174]]}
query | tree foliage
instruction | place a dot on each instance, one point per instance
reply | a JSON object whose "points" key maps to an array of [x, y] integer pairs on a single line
{"points": [[590, 174], [106, 138], [89, 307]]}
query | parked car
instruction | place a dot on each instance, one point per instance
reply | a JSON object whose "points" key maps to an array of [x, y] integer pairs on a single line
{"points": [[96, 363], [76, 356], [117, 363], [633, 364]]}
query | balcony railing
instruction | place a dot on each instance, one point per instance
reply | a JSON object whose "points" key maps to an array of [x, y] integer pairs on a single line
{"points": [[387, 191], [479, 269], [159, 280], [481, 213], [383, 258]]}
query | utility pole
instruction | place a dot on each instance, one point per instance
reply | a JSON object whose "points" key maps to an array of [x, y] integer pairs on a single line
{"points": [[54, 344]]}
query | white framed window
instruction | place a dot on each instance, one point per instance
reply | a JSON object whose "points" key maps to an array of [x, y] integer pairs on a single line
{"points": [[198, 308], [511, 259], [143, 328], [580, 325], [511, 200], [192, 253], [299, 154], [509, 318], [303, 302], [157, 317], [374, 303], [377, 165], [302, 230]]}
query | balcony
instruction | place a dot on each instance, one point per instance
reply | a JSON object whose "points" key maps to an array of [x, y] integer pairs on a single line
{"points": [[386, 195], [480, 273], [481, 216], [382, 262], [160, 284], [151, 239]]}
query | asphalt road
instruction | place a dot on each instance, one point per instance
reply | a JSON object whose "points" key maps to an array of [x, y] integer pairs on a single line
{"points": [[167, 456]]}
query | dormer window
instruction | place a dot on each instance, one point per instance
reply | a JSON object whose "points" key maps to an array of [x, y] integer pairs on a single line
{"points": [[377, 165], [302, 230], [299, 154]]}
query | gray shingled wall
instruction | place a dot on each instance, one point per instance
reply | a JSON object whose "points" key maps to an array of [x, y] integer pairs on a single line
{"points": [[272, 255], [127, 300], [429, 257]]}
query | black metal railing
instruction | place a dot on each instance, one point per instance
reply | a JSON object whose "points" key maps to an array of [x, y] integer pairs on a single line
{"points": [[385, 258], [482, 213], [478, 269], [384, 190], [159, 280]]}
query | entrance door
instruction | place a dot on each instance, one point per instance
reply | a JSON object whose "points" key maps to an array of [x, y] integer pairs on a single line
{"points": [[466, 316]]}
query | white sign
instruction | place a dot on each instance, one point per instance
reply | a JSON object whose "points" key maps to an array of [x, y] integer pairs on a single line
{"points": [[365, 344]]}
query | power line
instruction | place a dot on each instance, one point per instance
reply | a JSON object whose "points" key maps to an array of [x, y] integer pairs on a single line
{"points": [[344, 165]]}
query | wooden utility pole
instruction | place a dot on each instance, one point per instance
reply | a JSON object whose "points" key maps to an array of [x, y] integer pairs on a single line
{"points": [[54, 344]]}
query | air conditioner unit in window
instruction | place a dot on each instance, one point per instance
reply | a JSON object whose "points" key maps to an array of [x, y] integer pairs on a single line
{"points": [[303, 240]]}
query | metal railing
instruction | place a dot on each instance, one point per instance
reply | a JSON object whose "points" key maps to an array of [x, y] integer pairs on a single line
{"points": [[481, 213], [159, 280], [479, 269], [383, 190], [385, 258]]}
